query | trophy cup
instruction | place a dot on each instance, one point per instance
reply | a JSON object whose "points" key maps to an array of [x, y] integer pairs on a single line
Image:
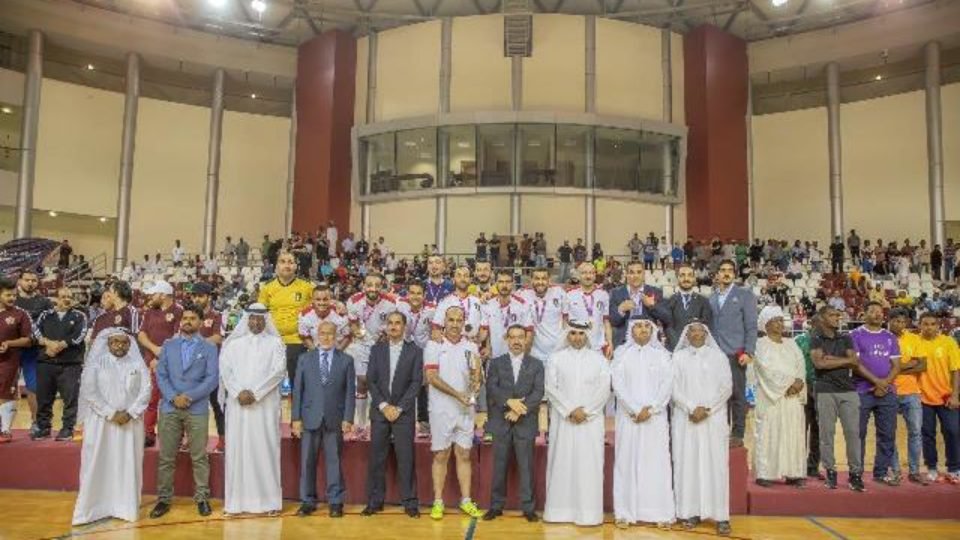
{"points": [[476, 378]]}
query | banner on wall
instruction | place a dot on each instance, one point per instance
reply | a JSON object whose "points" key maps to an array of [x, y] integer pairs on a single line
{"points": [[23, 253]]}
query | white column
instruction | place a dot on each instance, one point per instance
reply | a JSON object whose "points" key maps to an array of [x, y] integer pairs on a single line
{"points": [[130, 107], [213, 164], [33, 78], [934, 142], [833, 137]]}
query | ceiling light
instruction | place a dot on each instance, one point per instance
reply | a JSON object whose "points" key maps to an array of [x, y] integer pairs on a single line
{"points": [[6, 110], [217, 3], [259, 6], [253, 96], [103, 220], [90, 67], [878, 78], [52, 213], [778, 3]]}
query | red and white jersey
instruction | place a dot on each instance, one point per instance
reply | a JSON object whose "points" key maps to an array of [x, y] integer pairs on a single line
{"points": [[547, 315], [372, 317], [419, 324], [310, 319], [498, 317], [593, 307], [452, 362], [473, 317]]}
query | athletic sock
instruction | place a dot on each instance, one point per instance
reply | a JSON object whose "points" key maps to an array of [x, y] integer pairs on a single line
{"points": [[8, 410]]}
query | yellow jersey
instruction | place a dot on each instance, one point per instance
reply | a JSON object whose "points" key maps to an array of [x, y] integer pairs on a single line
{"points": [[285, 303], [943, 358], [909, 383]]}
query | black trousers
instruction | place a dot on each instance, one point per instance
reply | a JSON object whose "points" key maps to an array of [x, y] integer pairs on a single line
{"points": [[836, 266], [53, 378], [217, 410], [813, 431], [294, 350], [521, 447], [737, 405], [423, 411], [399, 435]]}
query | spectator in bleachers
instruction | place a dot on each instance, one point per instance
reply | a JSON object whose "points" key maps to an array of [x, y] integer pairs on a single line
{"points": [[347, 247], [936, 261], [177, 253], [635, 246], [836, 301], [481, 247], [540, 251], [64, 254], [243, 253], [921, 258], [853, 243], [937, 305], [794, 270], [816, 257], [949, 260], [333, 236], [229, 251], [836, 256], [565, 258], [579, 252], [494, 245], [649, 253]]}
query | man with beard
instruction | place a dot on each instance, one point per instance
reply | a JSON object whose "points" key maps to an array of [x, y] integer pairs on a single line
{"points": [[367, 312], [418, 328], [635, 300], [589, 303], [15, 334], [461, 297], [685, 306], [483, 286], [322, 309], [436, 287], [117, 301], [547, 302], [286, 296], [211, 329], [161, 321], [34, 303]]}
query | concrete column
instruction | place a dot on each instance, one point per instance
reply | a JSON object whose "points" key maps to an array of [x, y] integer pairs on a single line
{"points": [[514, 214], [29, 127], [833, 137], [440, 225], [516, 83], [590, 107], [590, 225], [213, 164], [666, 73], [372, 47], [130, 106], [934, 142], [365, 220], [291, 164], [751, 228]]}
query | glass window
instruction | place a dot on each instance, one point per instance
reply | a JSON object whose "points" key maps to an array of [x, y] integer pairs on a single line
{"points": [[416, 159], [496, 154], [617, 160], [378, 165], [10, 118], [571, 168], [458, 156], [537, 158]]}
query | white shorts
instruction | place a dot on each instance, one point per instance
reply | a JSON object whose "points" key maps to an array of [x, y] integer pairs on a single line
{"points": [[448, 429], [360, 352]]}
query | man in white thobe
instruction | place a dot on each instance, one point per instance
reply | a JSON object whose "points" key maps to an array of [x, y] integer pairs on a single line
{"points": [[252, 366], [642, 382], [780, 450], [702, 384], [114, 393], [577, 384]]}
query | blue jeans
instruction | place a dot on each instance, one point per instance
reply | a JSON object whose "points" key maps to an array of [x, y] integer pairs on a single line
{"points": [[949, 427], [884, 411], [912, 412]]}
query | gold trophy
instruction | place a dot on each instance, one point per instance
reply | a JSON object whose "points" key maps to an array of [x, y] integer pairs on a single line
{"points": [[475, 365]]}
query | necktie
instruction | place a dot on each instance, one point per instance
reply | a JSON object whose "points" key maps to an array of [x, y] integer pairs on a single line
{"points": [[686, 300], [324, 368]]}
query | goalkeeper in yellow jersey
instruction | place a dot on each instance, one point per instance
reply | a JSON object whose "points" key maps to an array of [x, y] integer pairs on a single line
{"points": [[286, 296]]}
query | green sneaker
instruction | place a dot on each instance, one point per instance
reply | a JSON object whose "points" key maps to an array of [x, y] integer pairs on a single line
{"points": [[437, 511], [470, 508]]}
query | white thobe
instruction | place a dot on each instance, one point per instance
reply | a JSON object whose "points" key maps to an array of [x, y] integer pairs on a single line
{"points": [[642, 481], [576, 378], [780, 449], [701, 469], [252, 461], [111, 460]]}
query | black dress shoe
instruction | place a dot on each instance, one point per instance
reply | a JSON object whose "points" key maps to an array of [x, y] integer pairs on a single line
{"points": [[492, 514], [336, 510], [149, 442], [64, 435], [371, 510], [159, 510], [413, 512], [532, 517], [764, 483], [203, 508], [306, 509]]}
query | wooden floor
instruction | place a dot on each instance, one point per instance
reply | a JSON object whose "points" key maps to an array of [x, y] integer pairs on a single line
{"points": [[31, 515]]}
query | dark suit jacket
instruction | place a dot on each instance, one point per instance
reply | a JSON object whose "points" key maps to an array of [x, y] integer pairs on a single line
{"points": [[674, 317], [315, 403], [407, 380], [618, 321], [501, 387], [735, 324]]}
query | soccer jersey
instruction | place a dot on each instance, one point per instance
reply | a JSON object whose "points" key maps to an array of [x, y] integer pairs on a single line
{"points": [[285, 303], [877, 350], [452, 362], [419, 324], [310, 320], [909, 383], [942, 359], [160, 325], [372, 317], [212, 324], [126, 317], [547, 317], [593, 307], [498, 318], [473, 317]]}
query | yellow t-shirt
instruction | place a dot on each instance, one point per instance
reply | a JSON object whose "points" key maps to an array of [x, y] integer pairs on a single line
{"points": [[285, 303], [908, 384], [943, 358]]}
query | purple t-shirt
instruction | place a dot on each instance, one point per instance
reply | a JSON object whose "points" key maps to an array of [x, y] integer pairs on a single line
{"points": [[876, 350]]}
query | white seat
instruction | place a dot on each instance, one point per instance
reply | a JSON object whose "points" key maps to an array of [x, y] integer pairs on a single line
{"points": [[667, 291]]}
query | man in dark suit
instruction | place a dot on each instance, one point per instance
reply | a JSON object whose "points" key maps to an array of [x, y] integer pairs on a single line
{"points": [[394, 376], [684, 307], [734, 327], [631, 301], [323, 404], [187, 371], [514, 392]]}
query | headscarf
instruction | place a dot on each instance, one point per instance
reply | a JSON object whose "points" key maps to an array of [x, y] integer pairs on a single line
{"points": [[630, 344], [574, 324], [684, 341], [767, 314], [242, 329], [99, 353]]}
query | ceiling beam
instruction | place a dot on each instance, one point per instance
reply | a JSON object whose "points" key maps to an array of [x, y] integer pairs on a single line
{"points": [[730, 20], [242, 6]]}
